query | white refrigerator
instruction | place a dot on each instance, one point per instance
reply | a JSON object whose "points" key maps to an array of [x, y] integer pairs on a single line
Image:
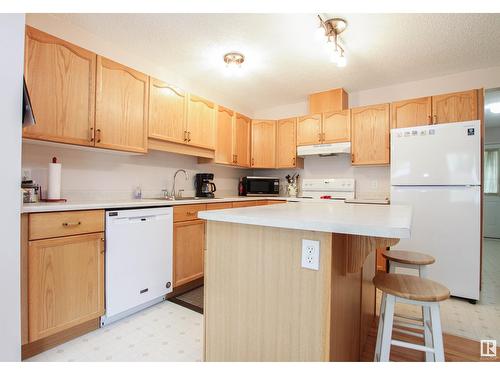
{"points": [[437, 170]]}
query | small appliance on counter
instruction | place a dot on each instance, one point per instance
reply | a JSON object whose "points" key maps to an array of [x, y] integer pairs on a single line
{"points": [[253, 186], [205, 188], [328, 188], [31, 191]]}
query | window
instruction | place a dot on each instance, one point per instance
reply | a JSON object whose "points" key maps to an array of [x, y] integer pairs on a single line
{"points": [[491, 171]]}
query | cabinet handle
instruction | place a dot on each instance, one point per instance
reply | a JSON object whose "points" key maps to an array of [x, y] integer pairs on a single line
{"points": [[189, 136], [71, 224], [430, 120], [253, 162], [352, 158], [185, 136], [92, 134], [190, 213], [435, 119], [98, 135], [103, 250], [293, 162], [319, 135], [235, 158]]}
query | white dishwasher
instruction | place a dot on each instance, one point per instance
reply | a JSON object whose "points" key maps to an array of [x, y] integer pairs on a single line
{"points": [[138, 260]]}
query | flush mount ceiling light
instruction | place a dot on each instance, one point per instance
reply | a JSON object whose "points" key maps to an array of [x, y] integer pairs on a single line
{"points": [[234, 59], [330, 31]]}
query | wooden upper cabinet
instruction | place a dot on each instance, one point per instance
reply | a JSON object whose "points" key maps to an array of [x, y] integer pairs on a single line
{"points": [[455, 107], [328, 101], [224, 151], [61, 82], [286, 147], [370, 135], [167, 112], [201, 122], [66, 283], [241, 141], [309, 130], [263, 144], [412, 112], [336, 126], [121, 107]]}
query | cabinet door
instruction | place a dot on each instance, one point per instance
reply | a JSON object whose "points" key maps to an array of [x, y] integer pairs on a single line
{"points": [[412, 112], [189, 244], [263, 144], [224, 151], [370, 135], [455, 107], [241, 140], [61, 82], [121, 107], [167, 112], [201, 122], [309, 130], [337, 126], [66, 283], [286, 147]]}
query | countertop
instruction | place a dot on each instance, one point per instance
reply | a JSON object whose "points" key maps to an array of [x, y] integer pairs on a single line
{"points": [[74, 205], [391, 221]]}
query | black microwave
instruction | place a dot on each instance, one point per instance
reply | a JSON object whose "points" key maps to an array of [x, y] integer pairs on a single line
{"points": [[261, 186]]}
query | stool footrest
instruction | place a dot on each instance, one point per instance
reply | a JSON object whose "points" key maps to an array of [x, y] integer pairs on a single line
{"points": [[410, 345], [408, 317], [408, 325], [406, 332]]}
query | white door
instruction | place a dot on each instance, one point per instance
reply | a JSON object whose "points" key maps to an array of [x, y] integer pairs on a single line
{"points": [[446, 225], [446, 154]]}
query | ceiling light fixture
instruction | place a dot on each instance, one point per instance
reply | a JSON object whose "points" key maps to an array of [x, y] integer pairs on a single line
{"points": [[330, 31], [234, 59]]}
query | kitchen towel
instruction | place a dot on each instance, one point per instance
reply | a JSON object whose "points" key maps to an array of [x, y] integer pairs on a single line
{"points": [[54, 184]]}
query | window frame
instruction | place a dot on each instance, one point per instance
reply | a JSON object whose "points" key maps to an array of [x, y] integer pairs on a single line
{"points": [[492, 147]]}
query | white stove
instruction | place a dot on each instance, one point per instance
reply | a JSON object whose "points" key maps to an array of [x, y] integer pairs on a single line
{"points": [[328, 188]]}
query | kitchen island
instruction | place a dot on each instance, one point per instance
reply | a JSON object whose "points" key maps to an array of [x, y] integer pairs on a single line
{"points": [[261, 305]]}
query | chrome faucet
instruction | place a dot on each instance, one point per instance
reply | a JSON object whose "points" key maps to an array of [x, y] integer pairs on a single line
{"points": [[174, 194]]}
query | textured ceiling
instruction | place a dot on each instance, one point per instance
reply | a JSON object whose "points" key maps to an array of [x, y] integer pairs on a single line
{"points": [[285, 62]]}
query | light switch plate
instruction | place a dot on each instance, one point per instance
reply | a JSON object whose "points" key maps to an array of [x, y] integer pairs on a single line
{"points": [[310, 254]]}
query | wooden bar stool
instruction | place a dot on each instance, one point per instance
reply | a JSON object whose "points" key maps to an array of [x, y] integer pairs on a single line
{"points": [[408, 259], [416, 291], [411, 260]]}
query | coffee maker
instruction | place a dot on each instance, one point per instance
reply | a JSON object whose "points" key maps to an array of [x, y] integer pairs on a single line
{"points": [[205, 188]]}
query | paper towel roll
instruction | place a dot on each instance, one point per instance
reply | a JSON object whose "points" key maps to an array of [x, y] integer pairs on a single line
{"points": [[54, 184]]}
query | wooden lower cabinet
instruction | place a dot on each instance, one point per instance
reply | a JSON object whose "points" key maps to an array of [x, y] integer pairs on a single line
{"points": [[66, 283], [189, 245]]}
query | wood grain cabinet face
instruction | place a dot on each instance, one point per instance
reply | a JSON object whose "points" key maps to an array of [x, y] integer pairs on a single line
{"points": [[201, 122], [286, 148], [370, 135], [309, 130], [241, 141], [224, 151], [263, 144], [121, 107], [167, 112], [412, 112], [66, 283], [61, 82], [189, 247], [455, 107], [336, 126]]}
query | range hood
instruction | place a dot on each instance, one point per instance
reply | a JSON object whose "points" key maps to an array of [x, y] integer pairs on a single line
{"points": [[325, 149]]}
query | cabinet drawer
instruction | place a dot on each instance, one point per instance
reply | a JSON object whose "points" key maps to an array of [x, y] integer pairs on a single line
{"points": [[188, 212], [219, 206], [59, 224]]}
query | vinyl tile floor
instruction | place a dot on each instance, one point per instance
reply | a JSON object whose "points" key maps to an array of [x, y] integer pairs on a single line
{"points": [[164, 332], [458, 317]]}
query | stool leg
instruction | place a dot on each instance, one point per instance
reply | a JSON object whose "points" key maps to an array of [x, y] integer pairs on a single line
{"points": [[387, 328], [426, 314], [437, 334], [380, 327]]}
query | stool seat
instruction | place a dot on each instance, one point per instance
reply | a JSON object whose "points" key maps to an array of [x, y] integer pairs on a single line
{"points": [[408, 257], [411, 287]]}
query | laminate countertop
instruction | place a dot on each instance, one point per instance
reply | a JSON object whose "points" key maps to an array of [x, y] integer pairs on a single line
{"points": [[75, 205], [391, 221]]}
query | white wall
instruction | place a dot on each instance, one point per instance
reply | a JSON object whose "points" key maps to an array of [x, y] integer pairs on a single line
{"points": [[492, 135], [91, 174], [11, 77]]}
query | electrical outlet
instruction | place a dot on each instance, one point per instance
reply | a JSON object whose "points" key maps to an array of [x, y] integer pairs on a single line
{"points": [[310, 254]]}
